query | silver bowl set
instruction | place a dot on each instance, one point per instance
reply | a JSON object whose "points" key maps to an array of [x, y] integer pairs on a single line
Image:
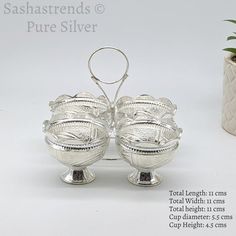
{"points": [[81, 126]]}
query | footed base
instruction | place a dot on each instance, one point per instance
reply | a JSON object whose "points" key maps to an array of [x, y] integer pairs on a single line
{"points": [[144, 179], [74, 176]]}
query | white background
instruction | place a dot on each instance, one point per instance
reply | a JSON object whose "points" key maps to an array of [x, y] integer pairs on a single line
{"points": [[175, 50]]}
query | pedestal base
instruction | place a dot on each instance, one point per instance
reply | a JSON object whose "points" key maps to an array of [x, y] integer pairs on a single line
{"points": [[73, 176], [144, 179]]}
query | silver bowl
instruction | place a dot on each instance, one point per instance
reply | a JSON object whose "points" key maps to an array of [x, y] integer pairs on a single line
{"points": [[69, 107], [147, 146], [145, 106], [76, 143]]}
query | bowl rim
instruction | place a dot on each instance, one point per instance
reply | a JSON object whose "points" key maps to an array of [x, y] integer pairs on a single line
{"points": [[127, 101], [131, 144], [170, 126], [148, 151], [80, 97], [71, 147], [61, 146]]}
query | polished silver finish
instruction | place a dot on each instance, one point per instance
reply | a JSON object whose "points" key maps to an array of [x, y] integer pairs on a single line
{"points": [[80, 176], [81, 126], [111, 102], [108, 48], [146, 136], [144, 106], [98, 81], [84, 103], [145, 179], [77, 143], [77, 134]]}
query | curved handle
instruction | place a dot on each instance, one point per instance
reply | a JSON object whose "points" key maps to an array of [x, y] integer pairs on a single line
{"points": [[108, 48], [97, 80]]}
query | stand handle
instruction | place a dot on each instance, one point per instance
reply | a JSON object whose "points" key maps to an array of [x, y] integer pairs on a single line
{"points": [[98, 81]]}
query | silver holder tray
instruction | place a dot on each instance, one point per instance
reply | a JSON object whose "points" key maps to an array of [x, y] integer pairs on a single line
{"points": [[81, 126]]}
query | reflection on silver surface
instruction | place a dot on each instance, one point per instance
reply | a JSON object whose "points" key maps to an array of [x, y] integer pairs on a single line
{"points": [[146, 136], [77, 134], [81, 127]]}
